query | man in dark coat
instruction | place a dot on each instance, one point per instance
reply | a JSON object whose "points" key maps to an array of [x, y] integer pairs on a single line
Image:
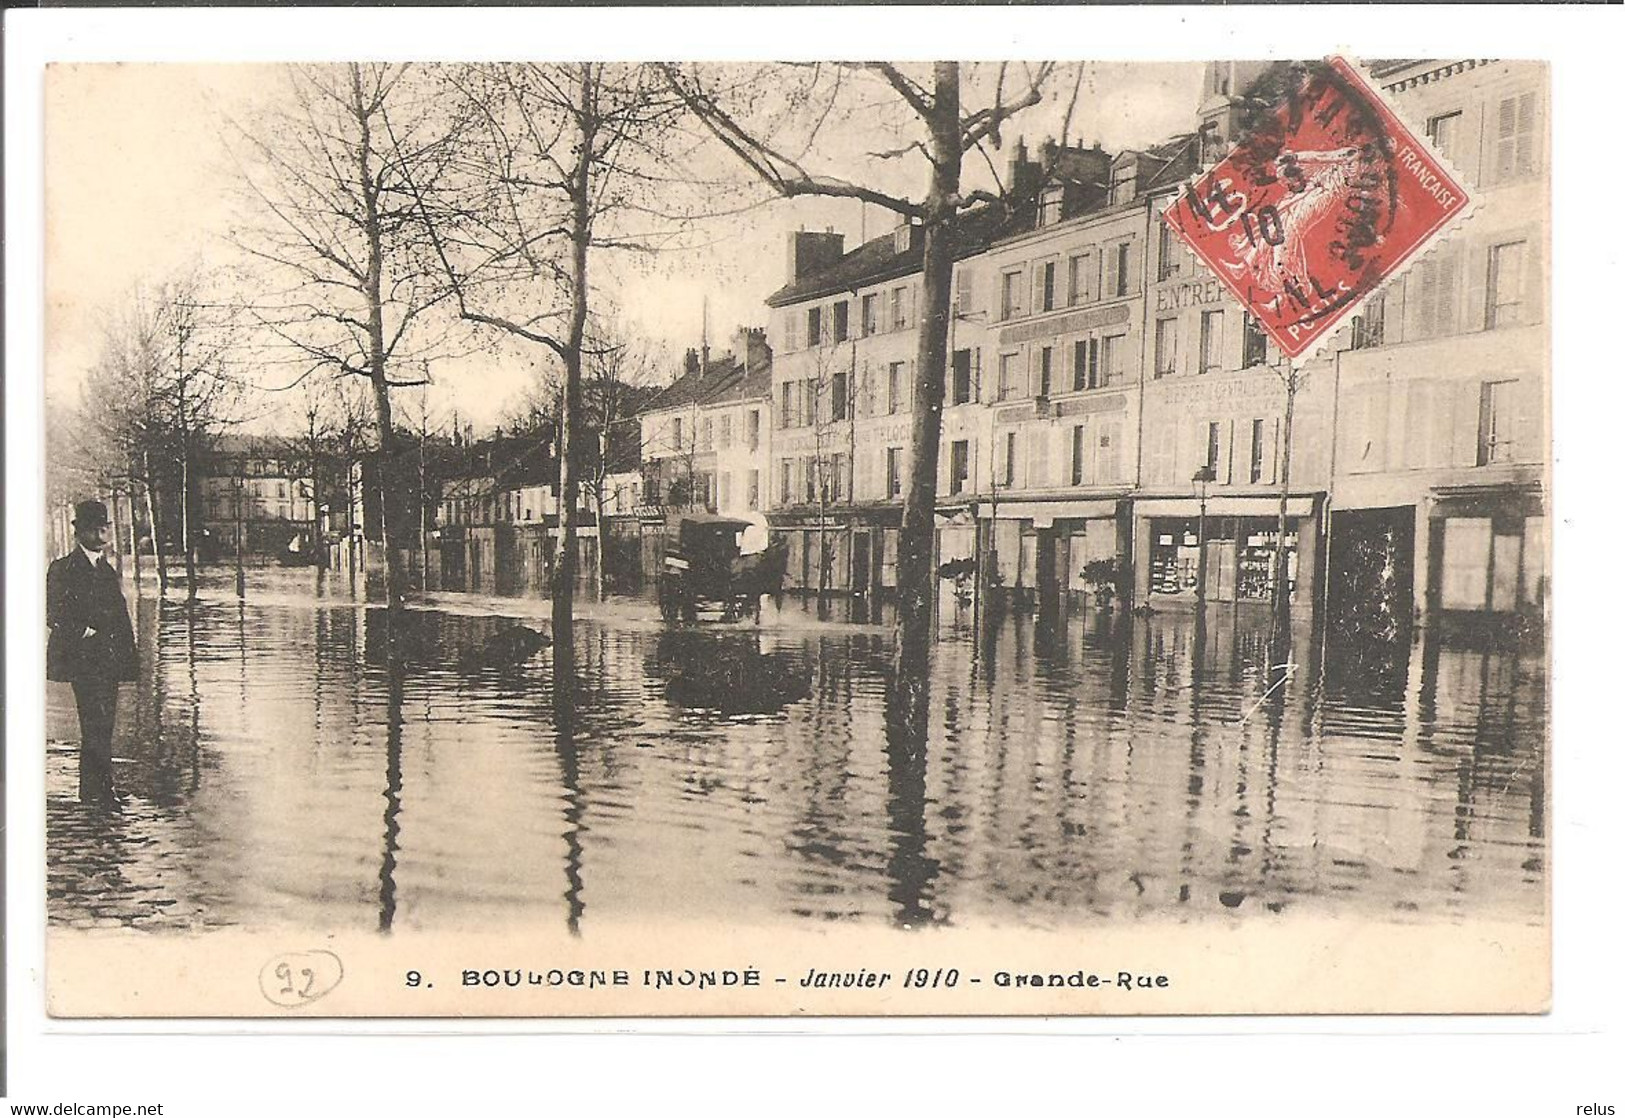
{"points": [[92, 644]]}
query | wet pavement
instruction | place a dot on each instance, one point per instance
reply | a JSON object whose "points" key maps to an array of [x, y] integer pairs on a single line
{"points": [[281, 768]]}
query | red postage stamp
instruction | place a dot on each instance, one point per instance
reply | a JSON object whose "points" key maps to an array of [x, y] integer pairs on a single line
{"points": [[1325, 197]]}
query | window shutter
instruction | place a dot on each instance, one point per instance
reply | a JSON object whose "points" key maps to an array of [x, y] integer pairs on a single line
{"points": [[1111, 270], [976, 373], [1134, 266], [1450, 293], [1272, 450], [1529, 429], [1091, 276], [1534, 279], [1478, 270], [1227, 452], [1525, 155]]}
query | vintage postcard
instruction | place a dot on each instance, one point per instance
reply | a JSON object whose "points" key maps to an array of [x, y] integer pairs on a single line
{"points": [[747, 539]]}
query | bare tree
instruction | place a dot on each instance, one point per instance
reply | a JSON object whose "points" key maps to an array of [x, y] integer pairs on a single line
{"points": [[345, 176], [160, 393], [619, 373], [557, 165], [943, 131]]}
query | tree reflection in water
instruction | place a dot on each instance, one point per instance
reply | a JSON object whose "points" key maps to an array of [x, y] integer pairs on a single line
{"points": [[1073, 767]]}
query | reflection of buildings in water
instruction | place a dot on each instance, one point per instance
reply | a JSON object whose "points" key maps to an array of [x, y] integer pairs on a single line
{"points": [[1093, 768]]}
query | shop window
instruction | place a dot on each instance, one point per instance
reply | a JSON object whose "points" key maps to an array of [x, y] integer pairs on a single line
{"points": [[1464, 575], [1256, 561], [1534, 561], [1212, 338], [1495, 421], [958, 465], [1503, 294]]}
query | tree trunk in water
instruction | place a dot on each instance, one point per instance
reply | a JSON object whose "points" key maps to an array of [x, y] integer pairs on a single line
{"points": [[911, 669], [1281, 625], [154, 527], [135, 537], [598, 552], [564, 571], [187, 547], [388, 503]]}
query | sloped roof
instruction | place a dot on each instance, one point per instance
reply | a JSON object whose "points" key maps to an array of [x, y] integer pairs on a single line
{"points": [[877, 259]]}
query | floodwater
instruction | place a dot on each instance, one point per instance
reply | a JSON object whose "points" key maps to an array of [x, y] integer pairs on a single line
{"points": [[280, 767]]}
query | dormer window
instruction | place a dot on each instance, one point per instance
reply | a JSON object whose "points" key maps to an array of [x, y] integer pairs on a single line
{"points": [[1124, 176], [1049, 207]]}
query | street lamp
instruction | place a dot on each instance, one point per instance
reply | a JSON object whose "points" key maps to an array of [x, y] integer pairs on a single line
{"points": [[1199, 483]]}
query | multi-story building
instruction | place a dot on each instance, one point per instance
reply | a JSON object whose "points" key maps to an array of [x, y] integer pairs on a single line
{"points": [[1439, 486], [255, 482], [706, 437], [1107, 399]]}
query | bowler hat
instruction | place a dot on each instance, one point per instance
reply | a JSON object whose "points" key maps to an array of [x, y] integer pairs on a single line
{"points": [[90, 514]]}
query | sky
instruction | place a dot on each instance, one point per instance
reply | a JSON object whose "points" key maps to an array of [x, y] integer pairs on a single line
{"points": [[140, 184]]}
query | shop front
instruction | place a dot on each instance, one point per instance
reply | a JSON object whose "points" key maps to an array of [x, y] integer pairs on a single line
{"points": [[1241, 537], [1486, 560]]}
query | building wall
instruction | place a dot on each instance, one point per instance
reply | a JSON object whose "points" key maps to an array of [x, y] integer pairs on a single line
{"points": [[1443, 396]]}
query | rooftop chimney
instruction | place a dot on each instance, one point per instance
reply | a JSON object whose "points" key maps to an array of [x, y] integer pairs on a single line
{"points": [[750, 346], [691, 361], [813, 252]]}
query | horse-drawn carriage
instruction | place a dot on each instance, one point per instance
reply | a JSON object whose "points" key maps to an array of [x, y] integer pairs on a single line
{"points": [[705, 566]]}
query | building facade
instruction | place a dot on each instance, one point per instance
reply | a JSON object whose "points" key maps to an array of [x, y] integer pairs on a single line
{"points": [[706, 438], [1109, 406], [1438, 500]]}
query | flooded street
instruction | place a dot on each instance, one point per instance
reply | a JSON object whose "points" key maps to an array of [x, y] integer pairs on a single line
{"points": [[280, 770]]}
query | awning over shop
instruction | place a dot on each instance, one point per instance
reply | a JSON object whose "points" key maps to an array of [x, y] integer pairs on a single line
{"points": [[1047, 512], [1218, 505]]}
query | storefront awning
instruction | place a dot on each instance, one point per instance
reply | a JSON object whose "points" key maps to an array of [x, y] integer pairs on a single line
{"points": [[1218, 505], [1048, 511]]}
